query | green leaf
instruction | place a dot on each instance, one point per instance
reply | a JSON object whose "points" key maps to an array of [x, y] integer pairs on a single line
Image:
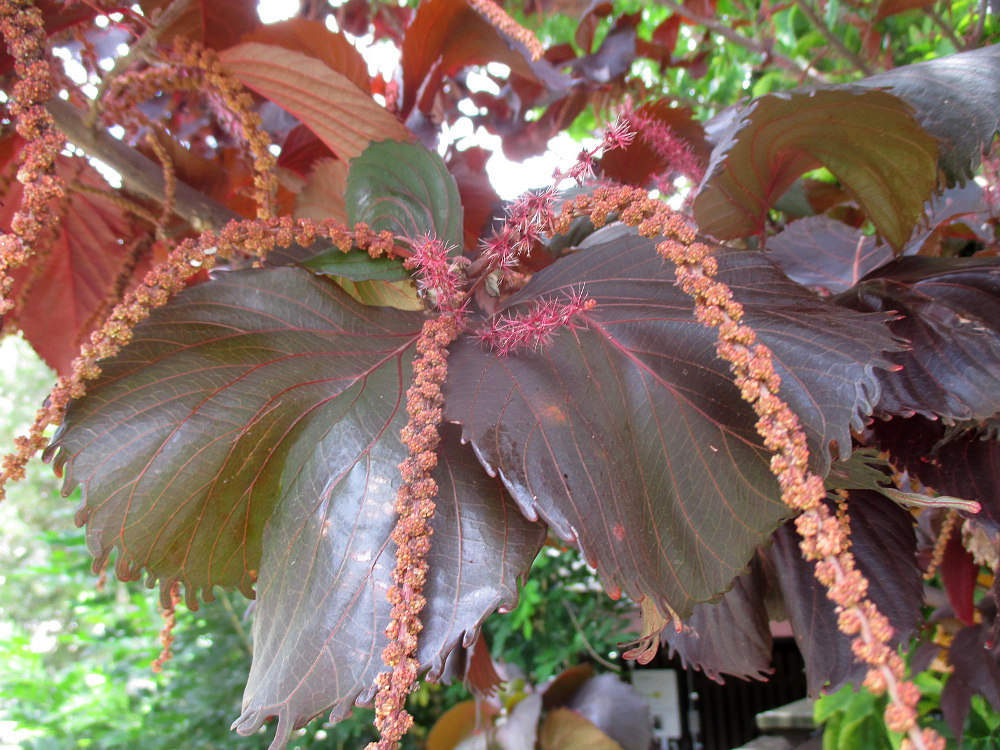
{"points": [[356, 265], [868, 139], [406, 189]]}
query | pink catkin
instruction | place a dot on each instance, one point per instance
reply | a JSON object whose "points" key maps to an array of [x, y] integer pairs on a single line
{"points": [[531, 329], [23, 30], [674, 151], [824, 534]]}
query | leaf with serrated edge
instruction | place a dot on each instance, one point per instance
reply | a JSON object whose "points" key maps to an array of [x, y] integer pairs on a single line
{"points": [[345, 118], [731, 636], [884, 545], [947, 311], [253, 425], [868, 139], [625, 432], [322, 594], [406, 189], [822, 252], [956, 99]]}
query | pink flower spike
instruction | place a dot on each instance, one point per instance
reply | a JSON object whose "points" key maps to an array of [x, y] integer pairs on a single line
{"points": [[533, 328], [619, 135], [438, 275]]}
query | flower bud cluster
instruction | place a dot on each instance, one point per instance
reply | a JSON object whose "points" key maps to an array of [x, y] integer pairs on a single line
{"points": [[499, 18], [824, 533], [252, 237], [23, 30], [195, 69], [674, 151], [530, 329], [169, 622], [415, 503]]}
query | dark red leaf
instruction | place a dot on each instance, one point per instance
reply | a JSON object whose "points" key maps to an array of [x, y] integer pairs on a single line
{"points": [[953, 461], [884, 544], [588, 23], [215, 23], [301, 150], [731, 636], [640, 162], [826, 254], [322, 610], [948, 314], [976, 672], [252, 428], [93, 256], [444, 37], [609, 430], [958, 575], [480, 202]]}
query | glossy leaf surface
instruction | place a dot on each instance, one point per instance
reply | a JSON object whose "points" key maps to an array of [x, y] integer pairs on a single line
{"points": [[625, 433], [444, 37], [826, 254], [251, 430], [406, 189], [956, 99], [948, 314]]}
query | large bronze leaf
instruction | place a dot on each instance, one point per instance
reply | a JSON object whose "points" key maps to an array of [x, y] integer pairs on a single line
{"points": [[625, 432], [252, 429]]}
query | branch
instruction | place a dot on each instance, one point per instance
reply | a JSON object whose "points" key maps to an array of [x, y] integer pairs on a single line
{"points": [[782, 61], [833, 39], [140, 175], [946, 29]]}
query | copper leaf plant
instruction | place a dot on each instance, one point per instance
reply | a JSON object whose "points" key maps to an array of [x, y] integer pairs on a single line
{"points": [[742, 355]]}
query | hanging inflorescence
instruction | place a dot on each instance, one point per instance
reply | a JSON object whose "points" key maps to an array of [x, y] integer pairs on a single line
{"points": [[197, 70], [825, 536], [23, 30], [252, 237]]}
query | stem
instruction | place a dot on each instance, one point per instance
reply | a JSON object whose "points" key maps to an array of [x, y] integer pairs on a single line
{"points": [[586, 642], [140, 175], [977, 33], [946, 29], [237, 624], [816, 20], [782, 61]]}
